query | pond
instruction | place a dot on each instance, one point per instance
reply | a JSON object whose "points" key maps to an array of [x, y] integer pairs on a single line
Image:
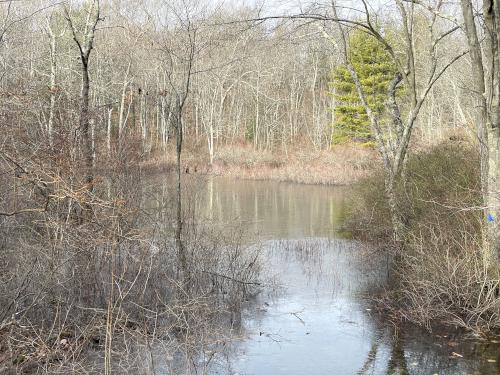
{"points": [[315, 319]]}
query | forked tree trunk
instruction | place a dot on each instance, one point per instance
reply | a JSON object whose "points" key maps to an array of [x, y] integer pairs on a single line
{"points": [[85, 45]]}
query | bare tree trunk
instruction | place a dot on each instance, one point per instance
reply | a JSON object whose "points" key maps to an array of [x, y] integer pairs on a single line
{"points": [[53, 88], [491, 10], [314, 119], [108, 131], [178, 229], [257, 112], [486, 89], [122, 118], [143, 122], [85, 125], [398, 225]]}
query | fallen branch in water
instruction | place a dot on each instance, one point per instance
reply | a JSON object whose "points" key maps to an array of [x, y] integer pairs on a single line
{"points": [[231, 278], [296, 314]]}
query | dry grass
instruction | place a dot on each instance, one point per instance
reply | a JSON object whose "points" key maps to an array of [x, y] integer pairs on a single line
{"points": [[343, 165]]}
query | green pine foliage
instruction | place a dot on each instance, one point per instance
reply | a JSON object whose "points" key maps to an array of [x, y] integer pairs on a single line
{"points": [[375, 69]]}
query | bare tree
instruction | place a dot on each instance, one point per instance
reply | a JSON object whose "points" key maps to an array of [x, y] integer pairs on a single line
{"points": [[54, 36]]}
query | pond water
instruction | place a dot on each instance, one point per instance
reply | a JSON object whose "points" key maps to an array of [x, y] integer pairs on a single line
{"points": [[317, 321]]}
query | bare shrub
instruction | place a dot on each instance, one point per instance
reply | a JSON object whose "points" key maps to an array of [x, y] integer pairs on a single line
{"points": [[443, 277], [88, 279], [439, 275]]}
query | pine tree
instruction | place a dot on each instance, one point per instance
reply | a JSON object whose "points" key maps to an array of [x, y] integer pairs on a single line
{"points": [[375, 69]]}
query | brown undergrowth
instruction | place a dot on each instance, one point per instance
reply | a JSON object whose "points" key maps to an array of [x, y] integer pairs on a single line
{"points": [[90, 280], [440, 274], [342, 165]]}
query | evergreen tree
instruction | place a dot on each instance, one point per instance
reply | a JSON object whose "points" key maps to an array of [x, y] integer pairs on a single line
{"points": [[375, 69]]}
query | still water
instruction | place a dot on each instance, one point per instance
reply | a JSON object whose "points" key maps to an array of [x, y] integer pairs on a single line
{"points": [[315, 319]]}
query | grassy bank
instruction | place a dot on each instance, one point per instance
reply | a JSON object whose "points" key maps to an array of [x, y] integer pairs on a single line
{"points": [[441, 274], [343, 165]]}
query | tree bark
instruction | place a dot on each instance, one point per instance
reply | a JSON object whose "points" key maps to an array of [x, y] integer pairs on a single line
{"points": [[108, 130], [53, 77], [485, 74], [491, 10], [181, 253], [85, 126]]}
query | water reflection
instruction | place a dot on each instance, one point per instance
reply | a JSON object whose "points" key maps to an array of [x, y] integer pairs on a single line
{"points": [[317, 321], [319, 324], [273, 210]]}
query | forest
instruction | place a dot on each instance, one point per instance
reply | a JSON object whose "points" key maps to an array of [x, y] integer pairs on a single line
{"points": [[167, 166]]}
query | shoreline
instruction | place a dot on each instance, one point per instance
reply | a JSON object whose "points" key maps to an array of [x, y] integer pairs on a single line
{"points": [[341, 166]]}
